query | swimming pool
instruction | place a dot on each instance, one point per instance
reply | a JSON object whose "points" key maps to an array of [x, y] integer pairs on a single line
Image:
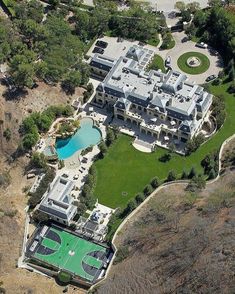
{"points": [[84, 137]]}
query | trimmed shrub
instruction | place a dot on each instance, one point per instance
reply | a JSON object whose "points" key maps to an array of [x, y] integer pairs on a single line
{"points": [[148, 190], [155, 182], [171, 176], [139, 198]]}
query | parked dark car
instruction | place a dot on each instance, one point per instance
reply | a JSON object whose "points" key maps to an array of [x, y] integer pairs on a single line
{"points": [[98, 50], [101, 44], [210, 78], [185, 39]]}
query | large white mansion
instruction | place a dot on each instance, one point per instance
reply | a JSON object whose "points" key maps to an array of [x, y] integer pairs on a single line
{"points": [[158, 104]]}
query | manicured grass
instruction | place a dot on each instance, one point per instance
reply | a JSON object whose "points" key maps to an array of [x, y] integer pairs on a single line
{"points": [[182, 63], [154, 41], [157, 63], [124, 169]]}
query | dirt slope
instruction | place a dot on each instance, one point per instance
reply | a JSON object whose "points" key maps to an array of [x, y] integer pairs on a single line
{"points": [[179, 243], [12, 198]]}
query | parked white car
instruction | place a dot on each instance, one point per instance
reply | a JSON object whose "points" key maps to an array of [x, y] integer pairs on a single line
{"points": [[202, 45]]}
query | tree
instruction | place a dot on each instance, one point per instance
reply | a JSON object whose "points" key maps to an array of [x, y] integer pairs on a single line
{"points": [[24, 75], [186, 15], [139, 198], [193, 6], [38, 160], [148, 190], [30, 139], [180, 5], [72, 81], [197, 183], [39, 216], [184, 175], [131, 205], [54, 3], [110, 137], [171, 176], [103, 148], [155, 182], [192, 173], [212, 174]]}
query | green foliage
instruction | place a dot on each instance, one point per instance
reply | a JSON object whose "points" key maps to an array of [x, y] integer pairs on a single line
{"points": [[148, 190], [35, 197], [131, 205], [139, 198], [134, 23], [220, 25], [193, 144], [165, 157], [197, 183], [110, 137], [218, 110], [192, 173], [87, 150], [38, 160], [211, 163], [39, 216], [72, 81], [64, 277], [184, 175], [40, 122], [167, 41], [157, 63], [155, 182], [103, 149], [171, 176]]}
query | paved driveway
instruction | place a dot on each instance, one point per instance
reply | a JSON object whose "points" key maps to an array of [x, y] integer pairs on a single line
{"points": [[181, 48], [169, 5]]}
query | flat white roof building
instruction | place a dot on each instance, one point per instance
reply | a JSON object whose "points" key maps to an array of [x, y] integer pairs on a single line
{"points": [[58, 202]]}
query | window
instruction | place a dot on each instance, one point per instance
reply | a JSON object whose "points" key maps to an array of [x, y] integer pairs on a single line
{"points": [[99, 94]]}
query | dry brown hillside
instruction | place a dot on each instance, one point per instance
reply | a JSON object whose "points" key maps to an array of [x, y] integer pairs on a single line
{"points": [[12, 197], [179, 243]]}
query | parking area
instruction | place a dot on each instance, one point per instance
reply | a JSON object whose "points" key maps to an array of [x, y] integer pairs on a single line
{"points": [[115, 47]]}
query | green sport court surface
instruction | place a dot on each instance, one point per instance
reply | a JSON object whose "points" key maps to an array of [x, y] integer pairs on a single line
{"points": [[71, 253]]}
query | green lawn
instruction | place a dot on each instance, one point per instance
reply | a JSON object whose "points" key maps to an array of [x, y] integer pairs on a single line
{"points": [[125, 169], [182, 63], [157, 63]]}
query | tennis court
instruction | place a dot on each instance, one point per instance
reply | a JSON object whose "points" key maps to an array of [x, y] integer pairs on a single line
{"points": [[70, 252]]}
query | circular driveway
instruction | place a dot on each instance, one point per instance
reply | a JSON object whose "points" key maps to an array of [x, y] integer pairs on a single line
{"points": [[216, 63]]}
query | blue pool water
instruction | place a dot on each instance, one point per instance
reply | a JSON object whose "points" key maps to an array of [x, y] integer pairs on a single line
{"points": [[85, 136]]}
